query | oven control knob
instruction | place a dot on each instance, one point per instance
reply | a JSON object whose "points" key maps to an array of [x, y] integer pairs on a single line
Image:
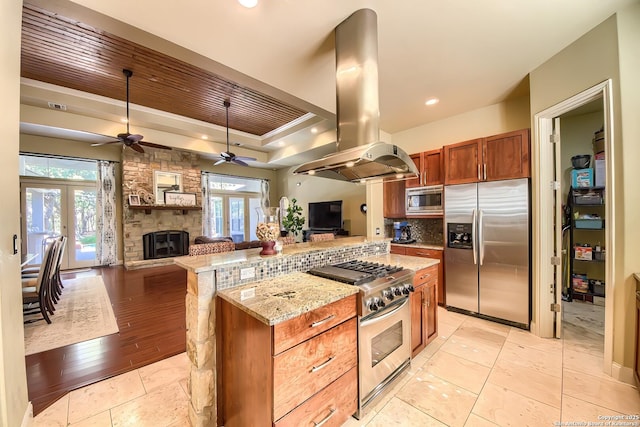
{"points": [[397, 291], [381, 304], [373, 304], [388, 294], [410, 287]]}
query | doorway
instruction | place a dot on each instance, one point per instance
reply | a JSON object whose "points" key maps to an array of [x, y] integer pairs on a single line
{"points": [[549, 213], [55, 207]]}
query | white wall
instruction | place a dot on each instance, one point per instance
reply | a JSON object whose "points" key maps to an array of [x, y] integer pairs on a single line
{"points": [[13, 382]]}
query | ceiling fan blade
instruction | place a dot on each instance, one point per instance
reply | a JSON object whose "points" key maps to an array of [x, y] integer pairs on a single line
{"points": [[97, 144], [137, 147], [219, 162], [226, 155], [135, 137], [250, 159], [239, 162], [151, 144]]}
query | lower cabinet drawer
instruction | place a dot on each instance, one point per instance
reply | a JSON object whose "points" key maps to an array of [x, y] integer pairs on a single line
{"points": [[335, 404], [307, 368]]}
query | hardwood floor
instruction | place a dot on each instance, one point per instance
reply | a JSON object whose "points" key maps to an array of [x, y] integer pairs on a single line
{"points": [[149, 305]]}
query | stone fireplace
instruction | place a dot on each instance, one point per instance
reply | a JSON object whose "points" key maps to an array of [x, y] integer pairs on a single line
{"points": [[137, 179]]}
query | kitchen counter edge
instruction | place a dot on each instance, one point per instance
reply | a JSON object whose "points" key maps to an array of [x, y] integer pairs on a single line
{"points": [[284, 297]]}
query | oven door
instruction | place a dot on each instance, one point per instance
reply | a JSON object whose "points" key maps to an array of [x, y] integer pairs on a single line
{"points": [[384, 347]]}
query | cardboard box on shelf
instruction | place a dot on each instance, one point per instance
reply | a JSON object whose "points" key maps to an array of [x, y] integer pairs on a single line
{"points": [[583, 252], [582, 177], [580, 283]]}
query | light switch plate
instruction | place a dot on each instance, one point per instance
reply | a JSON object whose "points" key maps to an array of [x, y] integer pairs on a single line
{"points": [[247, 273]]}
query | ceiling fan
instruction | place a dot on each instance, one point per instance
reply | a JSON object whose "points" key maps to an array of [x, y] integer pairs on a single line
{"points": [[228, 156], [133, 141]]}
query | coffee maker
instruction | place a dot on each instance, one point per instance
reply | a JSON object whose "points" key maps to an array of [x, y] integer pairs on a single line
{"points": [[402, 233]]}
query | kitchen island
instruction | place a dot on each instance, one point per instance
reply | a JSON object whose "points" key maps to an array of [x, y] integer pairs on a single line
{"points": [[275, 277]]}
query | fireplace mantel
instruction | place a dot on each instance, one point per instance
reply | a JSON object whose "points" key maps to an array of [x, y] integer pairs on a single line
{"points": [[148, 208]]}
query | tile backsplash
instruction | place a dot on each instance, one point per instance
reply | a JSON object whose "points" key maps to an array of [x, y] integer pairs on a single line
{"points": [[428, 231]]}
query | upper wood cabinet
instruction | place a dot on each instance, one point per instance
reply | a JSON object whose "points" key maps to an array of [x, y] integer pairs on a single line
{"points": [[504, 156], [462, 162], [393, 199], [430, 164]]}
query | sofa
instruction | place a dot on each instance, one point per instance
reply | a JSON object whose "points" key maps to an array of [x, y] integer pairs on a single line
{"points": [[238, 245]]}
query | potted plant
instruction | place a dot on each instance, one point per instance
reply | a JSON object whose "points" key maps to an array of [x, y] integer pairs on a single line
{"points": [[293, 221]]}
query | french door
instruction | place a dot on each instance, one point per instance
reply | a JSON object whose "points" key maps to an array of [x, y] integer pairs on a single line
{"points": [[53, 208], [233, 215]]}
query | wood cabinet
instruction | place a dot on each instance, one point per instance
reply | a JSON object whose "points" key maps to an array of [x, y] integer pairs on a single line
{"points": [[430, 164], [636, 368], [426, 253], [301, 371], [434, 254], [393, 199], [497, 157], [424, 309]]}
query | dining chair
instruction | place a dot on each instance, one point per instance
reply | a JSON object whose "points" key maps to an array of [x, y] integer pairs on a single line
{"points": [[36, 293], [322, 237], [211, 248], [287, 240]]}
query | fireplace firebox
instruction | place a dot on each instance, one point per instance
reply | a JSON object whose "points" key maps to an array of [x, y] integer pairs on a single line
{"points": [[164, 244]]}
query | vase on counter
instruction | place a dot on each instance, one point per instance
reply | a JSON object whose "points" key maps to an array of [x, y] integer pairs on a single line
{"points": [[268, 229]]}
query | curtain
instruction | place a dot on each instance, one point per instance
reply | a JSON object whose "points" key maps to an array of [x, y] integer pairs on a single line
{"points": [[106, 242], [264, 189], [206, 205]]}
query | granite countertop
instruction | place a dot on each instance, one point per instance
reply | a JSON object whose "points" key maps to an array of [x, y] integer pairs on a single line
{"points": [[202, 263], [414, 263], [285, 297], [420, 245]]}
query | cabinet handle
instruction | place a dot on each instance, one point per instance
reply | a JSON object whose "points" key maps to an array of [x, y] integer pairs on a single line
{"points": [[424, 276], [485, 171], [320, 322], [325, 419], [479, 177], [323, 365]]}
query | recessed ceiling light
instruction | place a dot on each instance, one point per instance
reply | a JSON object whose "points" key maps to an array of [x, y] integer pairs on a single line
{"points": [[312, 172], [432, 101], [314, 130], [248, 3], [205, 137], [124, 120], [281, 143]]}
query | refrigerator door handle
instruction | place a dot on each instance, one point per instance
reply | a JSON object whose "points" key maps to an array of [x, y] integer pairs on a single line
{"points": [[480, 236], [473, 237]]}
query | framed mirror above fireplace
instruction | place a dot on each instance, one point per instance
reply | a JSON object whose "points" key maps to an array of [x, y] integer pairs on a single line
{"points": [[165, 181]]}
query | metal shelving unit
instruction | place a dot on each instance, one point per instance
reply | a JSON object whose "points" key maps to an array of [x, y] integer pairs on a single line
{"points": [[587, 200]]}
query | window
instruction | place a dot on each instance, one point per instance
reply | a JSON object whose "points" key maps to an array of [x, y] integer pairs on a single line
{"points": [[230, 206], [57, 168]]}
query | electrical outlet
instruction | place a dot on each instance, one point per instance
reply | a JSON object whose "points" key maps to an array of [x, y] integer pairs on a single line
{"points": [[247, 293], [377, 231], [247, 273]]}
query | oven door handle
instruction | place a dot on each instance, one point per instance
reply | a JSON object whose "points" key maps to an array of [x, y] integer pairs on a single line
{"points": [[384, 315]]}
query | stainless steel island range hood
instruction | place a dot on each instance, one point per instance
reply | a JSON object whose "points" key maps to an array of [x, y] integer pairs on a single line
{"points": [[361, 155]]}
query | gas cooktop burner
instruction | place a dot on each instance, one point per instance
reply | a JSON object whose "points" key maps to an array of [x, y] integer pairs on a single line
{"points": [[378, 270]]}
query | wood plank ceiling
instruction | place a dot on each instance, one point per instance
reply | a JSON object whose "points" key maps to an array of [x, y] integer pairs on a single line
{"points": [[67, 53]]}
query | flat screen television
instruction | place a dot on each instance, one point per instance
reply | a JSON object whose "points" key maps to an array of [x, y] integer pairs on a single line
{"points": [[325, 215]]}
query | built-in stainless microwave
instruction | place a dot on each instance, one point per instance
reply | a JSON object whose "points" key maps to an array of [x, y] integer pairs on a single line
{"points": [[425, 200]]}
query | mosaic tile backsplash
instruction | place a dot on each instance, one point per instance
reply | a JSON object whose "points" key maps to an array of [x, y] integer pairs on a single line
{"points": [[229, 277], [428, 231]]}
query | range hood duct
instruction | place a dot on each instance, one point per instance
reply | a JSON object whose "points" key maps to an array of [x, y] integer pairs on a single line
{"points": [[361, 155]]}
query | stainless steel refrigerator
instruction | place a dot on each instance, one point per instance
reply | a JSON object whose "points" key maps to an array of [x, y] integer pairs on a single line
{"points": [[488, 249]]}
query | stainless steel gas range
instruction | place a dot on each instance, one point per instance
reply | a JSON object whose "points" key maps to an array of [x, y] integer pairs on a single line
{"points": [[384, 331]]}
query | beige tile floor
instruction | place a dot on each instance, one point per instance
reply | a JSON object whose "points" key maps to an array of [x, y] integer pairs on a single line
{"points": [[475, 374]]}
